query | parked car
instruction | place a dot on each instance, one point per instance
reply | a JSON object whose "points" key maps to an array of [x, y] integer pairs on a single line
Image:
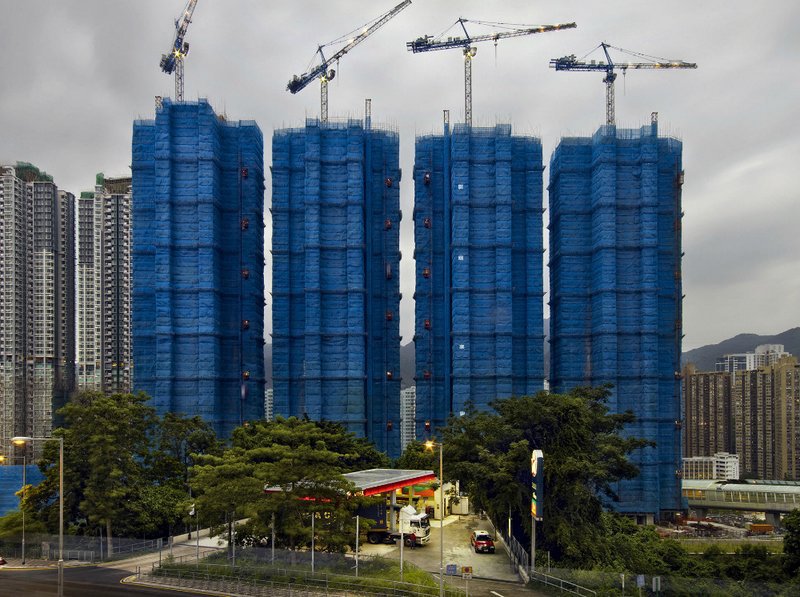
{"points": [[2, 561], [482, 541]]}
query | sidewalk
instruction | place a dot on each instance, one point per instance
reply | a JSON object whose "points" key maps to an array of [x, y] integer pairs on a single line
{"points": [[435, 524]]}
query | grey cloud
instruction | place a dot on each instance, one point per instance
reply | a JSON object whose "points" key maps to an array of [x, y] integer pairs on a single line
{"points": [[75, 73]]}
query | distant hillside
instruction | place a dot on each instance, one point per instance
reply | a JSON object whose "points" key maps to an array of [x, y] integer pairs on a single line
{"points": [[706, 356]]}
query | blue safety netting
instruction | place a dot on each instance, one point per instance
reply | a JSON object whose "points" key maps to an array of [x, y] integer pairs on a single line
{"points": [[336, 293], [198, 264], [11, 483], [478, 250], [615, 291]]}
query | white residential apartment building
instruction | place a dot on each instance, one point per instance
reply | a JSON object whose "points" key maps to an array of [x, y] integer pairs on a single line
{"points": [[37, 301], [721, 465], [269, 400], [408, 412], [104, 287], [763, 356]]}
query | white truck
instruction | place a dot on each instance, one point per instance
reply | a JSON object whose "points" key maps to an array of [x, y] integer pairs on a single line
{"points": [[407, 522]]}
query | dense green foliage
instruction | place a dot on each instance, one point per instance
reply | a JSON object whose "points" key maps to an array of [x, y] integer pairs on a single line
{"points": [[130, 472], [791, 542], [417, 457], [125, 469], [301, 462], [585, 453]]}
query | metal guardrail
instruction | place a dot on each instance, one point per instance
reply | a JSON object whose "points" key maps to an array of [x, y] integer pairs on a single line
{"points": [[521, 560], [518, 555], [146, 545], [81, 555], [563, 585]]}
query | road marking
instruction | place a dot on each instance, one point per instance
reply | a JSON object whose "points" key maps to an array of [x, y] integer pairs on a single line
{"points": [[496, 593]]}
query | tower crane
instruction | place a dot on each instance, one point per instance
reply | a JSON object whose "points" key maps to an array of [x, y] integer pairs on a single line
{"points": [[173, 61], [323, 73], [571, 63], [429, 43]]}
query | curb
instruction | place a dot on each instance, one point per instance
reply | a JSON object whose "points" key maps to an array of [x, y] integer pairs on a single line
{"points": [[132, 580]]}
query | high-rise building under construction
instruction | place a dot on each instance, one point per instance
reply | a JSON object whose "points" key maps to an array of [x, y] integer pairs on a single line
{"points": [[478, 250], [37, 301], [615, 292], [103, 280], [335, 252], [198, 264]]}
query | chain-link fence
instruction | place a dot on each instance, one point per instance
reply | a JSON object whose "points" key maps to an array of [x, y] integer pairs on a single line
{"points": [[84, 548], [607, 582]]}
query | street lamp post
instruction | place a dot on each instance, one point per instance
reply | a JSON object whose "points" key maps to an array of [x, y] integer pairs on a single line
{"points": [[22, 441], [429, 445], [22, 506]]}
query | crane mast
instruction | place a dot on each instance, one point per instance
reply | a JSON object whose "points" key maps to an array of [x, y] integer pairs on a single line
{"points": [[324, 74], [571, 63], [173, 61], [430, 43]]}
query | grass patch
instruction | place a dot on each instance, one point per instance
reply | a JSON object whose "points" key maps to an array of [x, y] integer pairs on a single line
{"points": [[375, 575], [698, 546]]}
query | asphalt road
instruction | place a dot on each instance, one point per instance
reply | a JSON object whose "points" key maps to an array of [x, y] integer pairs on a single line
{"points": [[89, 581], [85, 581]]}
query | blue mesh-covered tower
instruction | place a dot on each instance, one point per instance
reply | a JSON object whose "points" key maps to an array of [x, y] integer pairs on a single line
{"points": [[198, 264], [615, 292], [336, 293], [478, 250]]}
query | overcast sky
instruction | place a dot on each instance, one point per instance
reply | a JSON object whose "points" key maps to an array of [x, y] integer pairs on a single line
{"points": [[74, 74]]}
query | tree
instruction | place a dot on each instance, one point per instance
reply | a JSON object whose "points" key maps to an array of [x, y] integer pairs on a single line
{"points": [[791, 542], [11, 525], [301, 463], [113, 475], [178, 441], [417, 457], [585, 453], [106, 447]]}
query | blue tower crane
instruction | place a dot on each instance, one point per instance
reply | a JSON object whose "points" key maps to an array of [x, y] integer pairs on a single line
{"points": [[173, 61], [323, 73], [429, 43], [571, 63]]}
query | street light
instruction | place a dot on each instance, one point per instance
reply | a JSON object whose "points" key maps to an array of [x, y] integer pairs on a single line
{"points": [[429, 446], [21, 441]]}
